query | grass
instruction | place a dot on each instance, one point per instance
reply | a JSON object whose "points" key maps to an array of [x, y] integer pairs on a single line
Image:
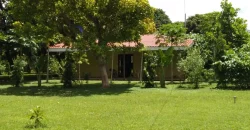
{"points": [[125, 107]]}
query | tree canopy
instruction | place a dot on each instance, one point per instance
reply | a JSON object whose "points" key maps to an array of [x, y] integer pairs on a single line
{"points": [[95, 23], [160, 18]]}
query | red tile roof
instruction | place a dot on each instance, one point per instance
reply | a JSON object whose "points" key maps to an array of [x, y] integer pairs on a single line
{"points": [[146, 40], [151, 41], [59, 45]]}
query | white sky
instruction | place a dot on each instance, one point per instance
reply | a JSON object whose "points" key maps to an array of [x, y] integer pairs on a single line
{"points": [[175, 8]]}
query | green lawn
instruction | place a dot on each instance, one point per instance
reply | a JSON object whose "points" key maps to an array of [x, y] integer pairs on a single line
{"points": [[125, 107]]}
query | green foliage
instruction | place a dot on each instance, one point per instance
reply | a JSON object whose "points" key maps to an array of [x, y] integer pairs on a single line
{"points": [[223, 34], [69, 71], [36, 116], [160, 18], [150, 65], [235, 68], [193, 24], [18, 71], [192, 66], [164, 58], [173, 33], [233, 28], [91, 21], [209, 75], [2, 67], [233, 35], [54, 66]]}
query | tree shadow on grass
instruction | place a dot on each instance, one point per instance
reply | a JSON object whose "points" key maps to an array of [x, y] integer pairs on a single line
{"points": [[233, 88], [190, 86], [57, 90]]}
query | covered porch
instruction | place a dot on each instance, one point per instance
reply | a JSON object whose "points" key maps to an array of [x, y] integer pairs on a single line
{"points": [[126, 65]]}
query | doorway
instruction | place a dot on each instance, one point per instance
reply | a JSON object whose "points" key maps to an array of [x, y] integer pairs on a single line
{"points": [[125, 65]]}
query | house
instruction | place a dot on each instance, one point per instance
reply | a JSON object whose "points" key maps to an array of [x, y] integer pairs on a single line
{"points": [[129, 64]]}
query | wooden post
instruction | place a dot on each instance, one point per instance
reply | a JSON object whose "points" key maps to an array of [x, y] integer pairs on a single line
{"points": [[124, 75], [112, 68], [141, 73], [172, 71], [47, 76]]}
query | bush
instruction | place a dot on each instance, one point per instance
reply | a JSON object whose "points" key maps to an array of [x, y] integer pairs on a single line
{"points": [[18, 71], [149, 70], [192, 66], [209, 75], [2, 67], [55, 67], [69, 72], [235, 68]]}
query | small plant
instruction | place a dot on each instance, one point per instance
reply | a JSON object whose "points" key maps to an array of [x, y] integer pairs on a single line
{"points": [[36, 117]]}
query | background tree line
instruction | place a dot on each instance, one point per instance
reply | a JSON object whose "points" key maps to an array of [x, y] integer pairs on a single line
{"points": [[27, 28]]}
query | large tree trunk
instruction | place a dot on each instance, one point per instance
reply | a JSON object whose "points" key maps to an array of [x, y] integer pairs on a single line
{"points": [[104, 75], [39, 79]]}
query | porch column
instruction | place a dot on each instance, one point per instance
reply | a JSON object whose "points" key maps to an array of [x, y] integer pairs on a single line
{"points": [[112, 67], [47, 76], [172, 71], [141, 73], [124, 69]]}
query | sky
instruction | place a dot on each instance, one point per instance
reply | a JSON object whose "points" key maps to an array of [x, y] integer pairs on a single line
{"points": [[175, 8]]}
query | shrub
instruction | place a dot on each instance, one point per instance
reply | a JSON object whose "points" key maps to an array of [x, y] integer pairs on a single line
{"points": [[209, 75], [68, 74], [2, 67], [55, 67], [192, 66], [18, 71], [235, 68], [149, 70]]}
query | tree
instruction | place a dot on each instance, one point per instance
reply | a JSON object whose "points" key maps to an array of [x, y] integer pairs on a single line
{"points": [[233, 31], [194, 23], [172, 35], [132, 18], [164, 58], [201, 23], [96, 18], [9, 46], [160, 18], [33, 31], [233, 28], [192, 66]]}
